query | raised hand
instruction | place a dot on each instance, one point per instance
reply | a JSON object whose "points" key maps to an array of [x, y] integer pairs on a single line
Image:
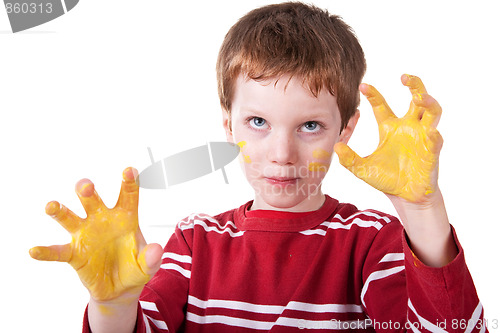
{"points": [[107, 248], [405, 163]]}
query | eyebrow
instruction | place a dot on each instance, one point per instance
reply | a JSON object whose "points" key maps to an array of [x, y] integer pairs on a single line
{"points": [[310, 117], [250, 109]]}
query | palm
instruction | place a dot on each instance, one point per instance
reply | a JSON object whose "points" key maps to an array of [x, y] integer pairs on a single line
{"points": [[105, 245], [405, 161], [105, 256]]}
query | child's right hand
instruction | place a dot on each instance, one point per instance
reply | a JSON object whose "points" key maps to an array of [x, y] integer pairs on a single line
{"points": [[107, 249]]}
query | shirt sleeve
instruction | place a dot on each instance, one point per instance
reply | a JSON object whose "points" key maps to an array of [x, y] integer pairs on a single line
{"points": [[400, 293], [163, 300], [445, 297]]}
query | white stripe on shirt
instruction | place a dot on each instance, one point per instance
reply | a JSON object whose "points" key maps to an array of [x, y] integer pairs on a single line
{"points": [[235, 305], [158, 323], [389, 257], [239, 322], [474, 318], [377, 275], [274, 309], [174, 267], [282, 321], [338, 225], [425, 323], [151, 306], [372, 214], [219, 229], [177, 257], [355, 221], [324, 308], [146, 323]]}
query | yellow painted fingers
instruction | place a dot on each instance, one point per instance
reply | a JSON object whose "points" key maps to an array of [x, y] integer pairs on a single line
{"points": [[129, 192], [431, 109], [89, 198], [380, 107], [66, 218], [60, 253]]}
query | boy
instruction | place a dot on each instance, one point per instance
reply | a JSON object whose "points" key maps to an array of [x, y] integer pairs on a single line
{"points": [[293, 258]]}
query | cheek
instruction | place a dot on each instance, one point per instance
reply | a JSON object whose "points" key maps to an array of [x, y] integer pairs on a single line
{"points": [[320, 160], [244, 152]]}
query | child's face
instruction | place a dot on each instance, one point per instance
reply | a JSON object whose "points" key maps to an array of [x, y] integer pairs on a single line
{"points": [[286, 139]]}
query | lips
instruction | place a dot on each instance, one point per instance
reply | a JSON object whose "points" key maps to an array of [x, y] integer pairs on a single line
{"points": [[281, 181]]}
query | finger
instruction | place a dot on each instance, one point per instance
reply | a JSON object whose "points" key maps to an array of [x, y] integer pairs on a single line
{"points": [[431, 109], [141, 242], [88, 196], [380, 107], [60, 253], [347, 157], [416, 87], [66, 218], [435, 142], [150, 258], [414, 83], [129, 192]]}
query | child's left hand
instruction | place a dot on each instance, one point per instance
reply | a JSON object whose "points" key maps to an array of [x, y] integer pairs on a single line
{"points": [[405, 163]]}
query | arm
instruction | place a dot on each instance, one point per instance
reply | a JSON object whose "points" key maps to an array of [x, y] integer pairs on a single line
{"points": [[405, 167], [438, 288], [108, 252], [400, 293], [428, 230]]}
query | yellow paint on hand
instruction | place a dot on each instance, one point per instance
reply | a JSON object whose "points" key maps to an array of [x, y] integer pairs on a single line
{"points": [[104, 249], [105, 310], [406, 159]]}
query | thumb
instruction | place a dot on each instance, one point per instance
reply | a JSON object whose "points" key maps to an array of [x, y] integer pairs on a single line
{"points": [[347, 157], [150, 258]]}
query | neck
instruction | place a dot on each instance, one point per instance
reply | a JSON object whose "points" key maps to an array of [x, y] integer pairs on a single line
{"points": [[311, 203]]}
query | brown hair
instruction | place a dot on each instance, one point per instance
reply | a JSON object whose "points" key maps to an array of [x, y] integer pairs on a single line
{"points": [[293, 39]]}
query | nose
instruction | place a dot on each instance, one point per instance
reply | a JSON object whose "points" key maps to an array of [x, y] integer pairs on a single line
{"points": [[282, 149]]}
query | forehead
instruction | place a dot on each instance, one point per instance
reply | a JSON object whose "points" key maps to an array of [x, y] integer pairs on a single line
{"points": [[283, 93]]}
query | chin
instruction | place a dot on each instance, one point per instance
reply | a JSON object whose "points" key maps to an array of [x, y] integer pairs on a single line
{"points": [[281, 201], [284, 201], [291, 198]]}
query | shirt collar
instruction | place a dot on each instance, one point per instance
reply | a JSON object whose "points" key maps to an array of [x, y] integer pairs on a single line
{"points": [[281, 221]]}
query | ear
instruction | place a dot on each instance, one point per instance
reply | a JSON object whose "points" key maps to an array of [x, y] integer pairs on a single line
{"points": [[346, 133], [226, 123]]}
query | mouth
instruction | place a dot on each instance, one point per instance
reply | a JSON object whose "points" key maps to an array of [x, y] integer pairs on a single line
{"points": [[281, 181]]}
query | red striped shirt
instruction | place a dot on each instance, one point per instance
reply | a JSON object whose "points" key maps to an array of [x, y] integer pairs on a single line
{"points": [[336, 268]]}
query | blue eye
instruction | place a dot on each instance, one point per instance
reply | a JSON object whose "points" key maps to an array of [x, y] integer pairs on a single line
{"points": [[257, 122], [311, 127]]}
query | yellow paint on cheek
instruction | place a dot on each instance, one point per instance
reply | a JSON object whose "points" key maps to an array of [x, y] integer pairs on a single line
{"points": [[316, 166], [321, 154], [246, 158], [323, 164]]}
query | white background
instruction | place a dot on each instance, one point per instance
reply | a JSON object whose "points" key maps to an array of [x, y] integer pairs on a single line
{"points": [[84, 96]]}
